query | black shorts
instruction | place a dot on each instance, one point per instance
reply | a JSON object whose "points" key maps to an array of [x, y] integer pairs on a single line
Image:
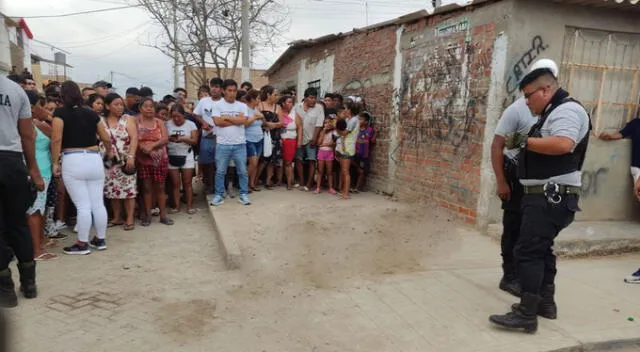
{"points": [[362, 163]]}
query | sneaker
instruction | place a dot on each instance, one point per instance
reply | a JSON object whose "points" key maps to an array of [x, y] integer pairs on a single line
{"points": [[59, 225], [633, 278], [155, 211], [217, 200], [244, 199], [99, 244], [75, 229], [77, 249]]}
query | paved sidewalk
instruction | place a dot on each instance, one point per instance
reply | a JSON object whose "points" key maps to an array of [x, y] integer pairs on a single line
{"points": [[381, 277]]}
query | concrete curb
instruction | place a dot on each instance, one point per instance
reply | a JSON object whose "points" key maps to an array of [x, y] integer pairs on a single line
{"points": [[228, 244], [612, 345], [581, 244]]}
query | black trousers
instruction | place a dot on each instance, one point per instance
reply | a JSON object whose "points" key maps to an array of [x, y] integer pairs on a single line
{"points": [[15, 198], [542, 221], [511, 222]]}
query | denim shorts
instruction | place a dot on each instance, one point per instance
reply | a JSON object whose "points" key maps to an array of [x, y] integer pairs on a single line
{"points": [[254, 148], [307, 152], [207, 151]]}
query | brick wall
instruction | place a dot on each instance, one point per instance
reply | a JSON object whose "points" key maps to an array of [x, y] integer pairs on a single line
{"points": [[444, 93], [364, 68]]}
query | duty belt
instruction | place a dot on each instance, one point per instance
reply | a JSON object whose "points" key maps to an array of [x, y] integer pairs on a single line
{"points": [[562, 189]]}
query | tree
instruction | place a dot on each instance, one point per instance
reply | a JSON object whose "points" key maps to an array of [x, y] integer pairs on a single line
{"points": [[209, 32]]}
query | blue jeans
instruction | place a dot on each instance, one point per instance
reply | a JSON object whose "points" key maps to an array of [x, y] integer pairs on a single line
{"points": [[237, 153]]}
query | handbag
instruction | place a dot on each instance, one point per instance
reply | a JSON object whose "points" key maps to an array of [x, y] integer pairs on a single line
{"points": [[268, 145], [177, 160]]}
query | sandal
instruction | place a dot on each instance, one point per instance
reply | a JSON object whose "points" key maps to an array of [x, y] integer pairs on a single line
{"points": [[145, 222], [174, 211], [58, 236], [113, 224], [46, 256], [129, 227], [192, 211], [166, 221], [51, 243], [256, 189], [268, 187]]}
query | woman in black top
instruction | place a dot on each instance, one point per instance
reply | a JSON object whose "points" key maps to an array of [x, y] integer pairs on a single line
{"points": [[74, 138], [269, 109]]}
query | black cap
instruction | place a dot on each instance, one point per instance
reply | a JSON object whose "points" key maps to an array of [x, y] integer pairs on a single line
{"points": [[132, 91], [103, 84], [145, 92]]}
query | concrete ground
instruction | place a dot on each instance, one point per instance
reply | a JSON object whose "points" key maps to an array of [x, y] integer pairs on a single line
{"points": [[316, 274]]}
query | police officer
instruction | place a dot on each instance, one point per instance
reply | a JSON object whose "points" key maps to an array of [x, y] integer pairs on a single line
{"points": [[516, 120], [17, 145], [549, 168]]}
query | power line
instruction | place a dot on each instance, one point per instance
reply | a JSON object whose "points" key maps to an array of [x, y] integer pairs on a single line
{"points": [[80, 13]]}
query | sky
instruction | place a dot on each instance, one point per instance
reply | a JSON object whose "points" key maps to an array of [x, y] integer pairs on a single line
{"points": [[113, 45]]}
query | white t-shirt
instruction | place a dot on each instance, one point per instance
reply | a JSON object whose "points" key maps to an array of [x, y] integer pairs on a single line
{"points": [[232, 134], [311, 119], [205, 109], [182, 131]]}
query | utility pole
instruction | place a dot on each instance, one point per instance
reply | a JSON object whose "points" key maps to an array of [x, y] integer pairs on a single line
{"points": [[176, 77], [111, 77], [366, 12], [246, 54]]}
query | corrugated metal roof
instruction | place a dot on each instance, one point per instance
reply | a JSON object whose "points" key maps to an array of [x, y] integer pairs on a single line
{"points": [[628, 5]]}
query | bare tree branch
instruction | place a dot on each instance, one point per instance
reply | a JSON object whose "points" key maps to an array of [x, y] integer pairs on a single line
{"points": [[209, 31]]}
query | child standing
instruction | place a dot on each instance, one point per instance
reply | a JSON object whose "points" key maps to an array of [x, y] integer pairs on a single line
{"points": [[325, 155], [366, 138], [347, 129]]}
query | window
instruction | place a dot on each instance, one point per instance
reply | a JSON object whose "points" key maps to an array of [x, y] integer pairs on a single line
{"points": [[314, 84], [602, 70]]}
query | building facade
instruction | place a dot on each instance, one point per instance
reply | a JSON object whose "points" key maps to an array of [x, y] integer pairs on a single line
{"points": [[193, 78], [437, 84]]}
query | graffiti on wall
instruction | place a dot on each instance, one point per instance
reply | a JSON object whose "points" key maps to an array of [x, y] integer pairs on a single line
{"points": [[591, 179], [520, 65], [439, 106]]}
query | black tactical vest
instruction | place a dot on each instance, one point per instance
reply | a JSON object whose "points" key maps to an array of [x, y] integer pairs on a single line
{"points": [[535, 166]]}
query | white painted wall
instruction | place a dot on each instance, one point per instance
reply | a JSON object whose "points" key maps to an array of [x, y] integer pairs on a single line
{"points": [[26, 46], [494, 110], [5, 49], [321, 70]]}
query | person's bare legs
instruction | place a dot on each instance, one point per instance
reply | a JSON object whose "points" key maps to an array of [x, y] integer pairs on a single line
{"points": [[321, 167], [129, 209], [311, 173], [329, 165], [253, 171], [280, 173], [300, 171], [345, 165], [116, 206], [261, 167], [61, 201], [147, 198], [187, 185], [175, 181], [360, 183], [36, 226], [158, 190], [289, 170], [269, 180]]}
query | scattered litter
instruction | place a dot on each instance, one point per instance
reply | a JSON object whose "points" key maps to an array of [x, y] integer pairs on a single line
{"points": [[630, 319]]}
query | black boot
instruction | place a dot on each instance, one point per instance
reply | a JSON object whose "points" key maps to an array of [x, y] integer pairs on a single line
{"points": [[511, 285], [547, 308], [8, 297], [28, 279], [522, 318]]}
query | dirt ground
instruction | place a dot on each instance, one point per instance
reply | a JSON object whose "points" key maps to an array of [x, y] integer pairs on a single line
{"points": [[318, 241]]}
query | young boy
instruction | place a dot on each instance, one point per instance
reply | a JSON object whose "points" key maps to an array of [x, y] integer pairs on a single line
{"points": [[366, 139]]}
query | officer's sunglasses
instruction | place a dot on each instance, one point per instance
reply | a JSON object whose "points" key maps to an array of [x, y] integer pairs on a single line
{"points": [[528, 95]]}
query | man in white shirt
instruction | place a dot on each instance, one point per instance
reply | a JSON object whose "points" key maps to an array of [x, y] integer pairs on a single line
{"points": [[229, 117], [312, 116], [202, 112]]}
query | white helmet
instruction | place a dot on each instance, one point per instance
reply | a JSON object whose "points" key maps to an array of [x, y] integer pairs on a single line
{"points": [[545, 63]]}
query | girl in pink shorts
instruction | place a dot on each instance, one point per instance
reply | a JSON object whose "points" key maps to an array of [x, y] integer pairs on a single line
{"points": [[326, 142]]}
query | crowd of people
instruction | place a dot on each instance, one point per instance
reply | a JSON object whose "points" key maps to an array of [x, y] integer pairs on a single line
{"points": [[120, 157]]}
